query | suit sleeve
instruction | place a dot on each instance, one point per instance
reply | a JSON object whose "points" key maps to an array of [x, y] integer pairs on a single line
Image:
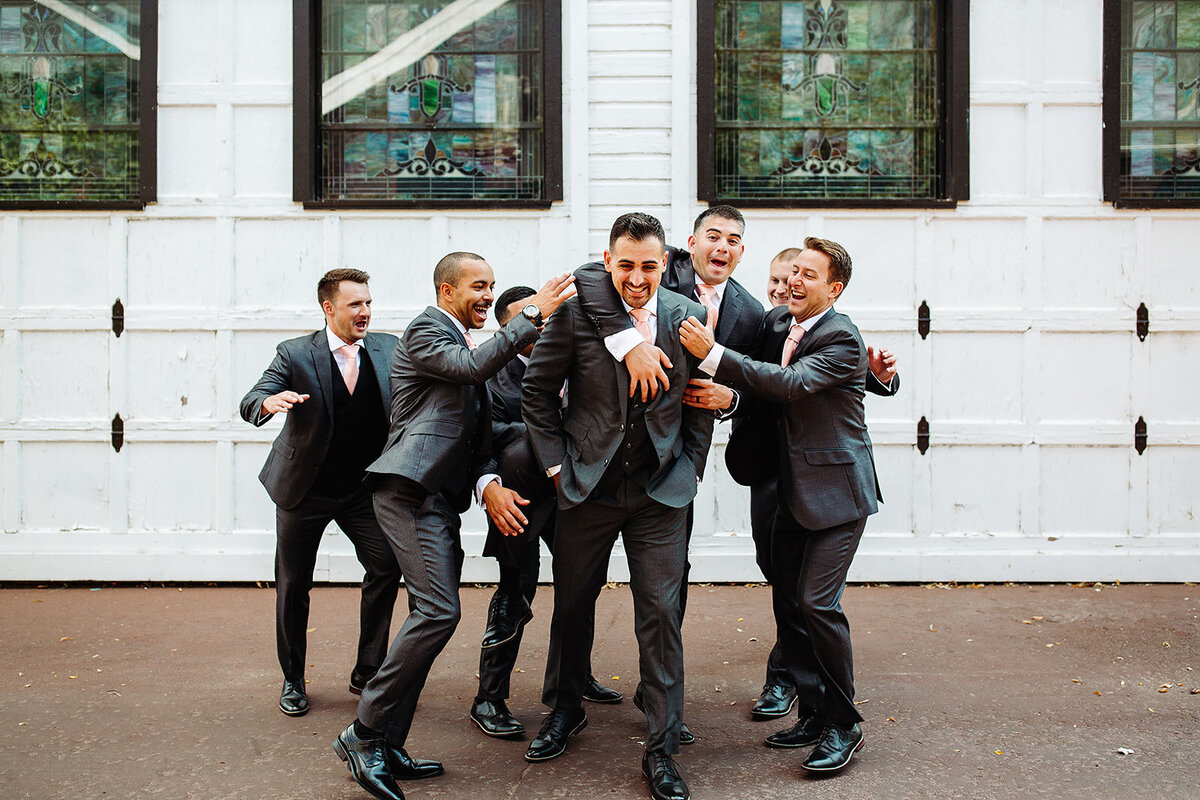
{"points": [[599, 300], [436, 353], [697, 422], [540, 402], [835, 362], [875, 386], [276, 379]]}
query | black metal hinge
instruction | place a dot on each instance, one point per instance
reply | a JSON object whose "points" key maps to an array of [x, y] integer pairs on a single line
{"points": [[923, 319], [922, 435], [118, 433], [1143, 322], [118, 317], [1139, 435]]}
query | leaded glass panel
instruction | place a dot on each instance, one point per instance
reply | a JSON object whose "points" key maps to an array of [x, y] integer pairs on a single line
{"points": [[826, 99], [432, 100], [1160, 99], [69, 100]]}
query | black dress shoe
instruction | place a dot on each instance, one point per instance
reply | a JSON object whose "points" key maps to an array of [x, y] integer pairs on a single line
{"points": [[806, 731], [369, 764], [405, 768], [834, 750], [685, 733], [292, 700], [593, 692], [494, 718], [359, 680], [551, 741], [776, 700], [659, 771], [506, 616]]}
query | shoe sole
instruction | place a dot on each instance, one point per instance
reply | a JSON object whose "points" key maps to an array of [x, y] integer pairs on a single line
{"points": [[782, 746], [496, 734], [356, 690], [520, 625], [605, 701], [836, 767], [763, 715], [292, 713], [578, 728]]}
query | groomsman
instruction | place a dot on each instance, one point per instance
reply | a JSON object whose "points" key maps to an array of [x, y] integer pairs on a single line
{"points": [[515, 543], [332, 388], [622, 466], [827, 486], [437, 450]]}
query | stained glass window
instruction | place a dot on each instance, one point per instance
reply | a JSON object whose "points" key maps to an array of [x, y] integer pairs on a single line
{"points": [[1160, 100], [433, 100], [827, 99], [69, 121]]}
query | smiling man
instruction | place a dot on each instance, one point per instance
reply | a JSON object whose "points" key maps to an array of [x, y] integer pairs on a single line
{"points": [[438, 448], [332, 386], [625, 467]]}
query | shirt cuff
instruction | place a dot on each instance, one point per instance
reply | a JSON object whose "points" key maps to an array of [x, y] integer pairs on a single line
{"points": [[619, 344], [552, 471], [726, 413], [713, 359], [482, 483]]}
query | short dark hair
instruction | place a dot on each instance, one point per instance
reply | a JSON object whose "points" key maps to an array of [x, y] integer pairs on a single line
{"points": [[638, 226], [449, 269], [839, 259], [507, 298], [786, 254], [724, 212], [327, 287]]}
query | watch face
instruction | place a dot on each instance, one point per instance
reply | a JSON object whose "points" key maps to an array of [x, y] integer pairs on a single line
{"points": [[532, 311]]}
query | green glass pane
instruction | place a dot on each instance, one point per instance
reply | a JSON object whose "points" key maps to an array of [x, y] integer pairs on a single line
{"points": [[11, 38], [1164, 150], [353, 28], [116, 95], [508, 91], [748, 87], [1164, 87], [891, 25], [770, 86], [748, 154], [858, 16], [1153, 24], [1141, 152], [749, 21], [770, 21], [1187, 24], [856, 68], [791, 26], [1187, 98]]}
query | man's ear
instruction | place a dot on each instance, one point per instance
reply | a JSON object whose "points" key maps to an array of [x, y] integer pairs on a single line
{"points": [[607, 261], [327, 307], [835, 289]]}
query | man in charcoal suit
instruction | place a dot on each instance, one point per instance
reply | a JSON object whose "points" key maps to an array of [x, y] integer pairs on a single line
{"points": [[438, 448], [812, 382], [332, 386], [625, 466], [515, 544]]}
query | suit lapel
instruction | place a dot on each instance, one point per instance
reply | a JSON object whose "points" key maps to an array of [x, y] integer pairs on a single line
{"points": [[728, 313], [780, 326], [809, 340], [322, 361]]}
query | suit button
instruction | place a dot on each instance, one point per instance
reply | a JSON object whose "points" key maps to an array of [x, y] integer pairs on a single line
{"points": [[628, 445], [622, 427]]}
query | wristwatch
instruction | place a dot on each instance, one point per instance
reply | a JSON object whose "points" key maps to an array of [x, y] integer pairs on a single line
{"points": [[533, 313]]}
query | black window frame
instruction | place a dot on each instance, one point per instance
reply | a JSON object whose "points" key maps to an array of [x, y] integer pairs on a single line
{"points": [[306, 84], [147, 132], [1110, 141], [954, 101]]}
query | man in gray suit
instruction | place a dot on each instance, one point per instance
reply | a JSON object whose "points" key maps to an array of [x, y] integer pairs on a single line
{"points": [[621, 466], [812, 381], [438, 448], [332, 386]]}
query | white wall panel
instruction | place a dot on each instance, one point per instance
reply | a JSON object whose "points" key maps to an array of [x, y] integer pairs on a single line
{"points": [[155, 469], [1070, 41], [262, 159], [187, 30], [1074, 387], [1174, 379], [398, 253], [253, 509], [977, 263], [172, 262], [998, 152], [978, 491], [1083, 490], [883, 252], [62, 262], [64, 375], [507, 245], [173, 377], [895, 465], [1173, 264], [188, 141], [1086, 263], [64, 487], [278, 263], [998, 56], [978, 376], [253, 352], [257, 58], [1174, 493], [1070, 144]]}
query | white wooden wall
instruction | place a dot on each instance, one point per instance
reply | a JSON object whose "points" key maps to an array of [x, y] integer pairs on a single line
{"points": [[1031, 379]]}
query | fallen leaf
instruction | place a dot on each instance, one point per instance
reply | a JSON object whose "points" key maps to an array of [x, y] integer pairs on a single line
{"points": [[1096, 693], [933, 629], [998, 752], [1151, 710], [1075, 680], [1039, 619], [754, 638], [72, 677], [1050, 645], [312, 630], [1166, 644], [891, 719], [65, 639], [860, 702], [1125, 751], [1026, 622], [1194, 691], [1162, 689]]}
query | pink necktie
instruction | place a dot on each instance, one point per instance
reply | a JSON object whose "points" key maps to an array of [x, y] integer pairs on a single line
{"points": [[470, 342], [789, 347], [641, 321], [708, 298], [350, 370]]}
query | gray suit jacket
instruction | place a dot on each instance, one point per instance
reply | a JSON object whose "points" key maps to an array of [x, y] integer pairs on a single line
{"points": [[303, 366], [827, 467], [584, 437], [440, 433]]}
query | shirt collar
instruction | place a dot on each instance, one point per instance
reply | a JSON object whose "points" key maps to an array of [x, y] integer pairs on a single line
{"points": [[651, 305], [808, 323], [719, 288], [524, 358], [457, 323], [335, 342]]}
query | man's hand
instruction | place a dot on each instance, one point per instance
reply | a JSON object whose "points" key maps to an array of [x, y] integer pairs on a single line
{"points": [[645, 363], [696, 337], [552, 295], [882, 363], [282, 403], [706, 394], [504, 507]]}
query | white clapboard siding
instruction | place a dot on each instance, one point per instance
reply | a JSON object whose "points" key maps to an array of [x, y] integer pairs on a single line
{"points": [[1031, 378]]}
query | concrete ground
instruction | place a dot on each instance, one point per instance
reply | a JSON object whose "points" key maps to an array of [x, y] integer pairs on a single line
{"points": [[972, 692]]}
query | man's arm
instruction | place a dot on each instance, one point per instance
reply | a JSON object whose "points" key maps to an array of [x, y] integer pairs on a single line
{"points": [[271, 395], [541, 405], [883, 378]]}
